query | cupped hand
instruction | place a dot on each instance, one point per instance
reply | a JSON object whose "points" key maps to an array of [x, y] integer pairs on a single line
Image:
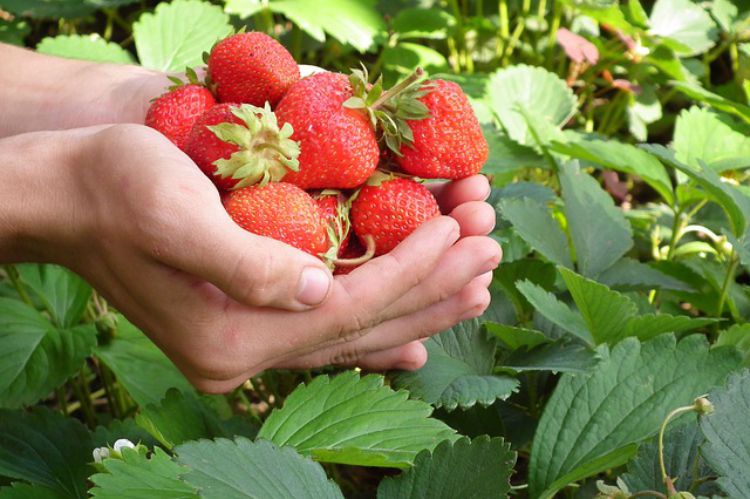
{"points": [[148, 230]]}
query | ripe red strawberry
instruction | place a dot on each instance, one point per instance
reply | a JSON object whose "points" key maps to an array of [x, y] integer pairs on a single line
{"points": [[280, 211], [389, 212], [175, 112], [449, 143], [251, 68], [240, 145], [338, 145]]}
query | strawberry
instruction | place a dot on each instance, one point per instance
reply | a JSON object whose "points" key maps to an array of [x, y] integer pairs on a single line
{"points": [[338, 145], [175, 112], [390, 211], [240, 145], [449, 143], [281, 211], [251, 68]]}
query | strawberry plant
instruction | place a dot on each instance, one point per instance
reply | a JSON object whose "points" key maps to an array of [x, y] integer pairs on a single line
{"points": [[612, 361]]}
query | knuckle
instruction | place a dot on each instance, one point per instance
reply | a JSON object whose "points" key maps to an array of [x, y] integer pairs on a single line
{"points": [[254, 287], [347, 356]]}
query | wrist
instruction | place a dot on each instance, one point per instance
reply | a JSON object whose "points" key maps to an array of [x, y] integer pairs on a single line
{"points": [[37, 195]]}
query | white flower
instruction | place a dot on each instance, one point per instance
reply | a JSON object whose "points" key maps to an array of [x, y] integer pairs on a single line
{"points": [[123, 443], [100, 453]]}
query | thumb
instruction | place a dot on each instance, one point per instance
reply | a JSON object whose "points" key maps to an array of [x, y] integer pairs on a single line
{"points": [[254, 270]]}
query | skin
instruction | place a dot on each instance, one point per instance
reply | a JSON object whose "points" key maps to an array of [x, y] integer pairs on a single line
{"points": [[84, 186]]}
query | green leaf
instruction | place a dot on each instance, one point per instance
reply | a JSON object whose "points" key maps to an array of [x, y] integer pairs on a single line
{"points": [[61, 292], [727, 431], [643, 109], [353, 420], [176, 34], [144, 371], [459, 370], [628, 273], [555, 311], [86, 47], [621, 157], [136, 476], [611, 316], [534, 270], [738, 336], [507, 156], [533, 89], [533, 222], [591, 423], [484, 463], [20, 490], [600, 232], [606, 312], [562, 355], [693, 28], [45, 448], [422, 23], [682, 458], [514, 338], [182, 417], [244, 8], [695, 91], [353, 23], [701, 134], [48, 9], [14, 31], [35, 356], [732, 200], [244, 469], [405, 57]]}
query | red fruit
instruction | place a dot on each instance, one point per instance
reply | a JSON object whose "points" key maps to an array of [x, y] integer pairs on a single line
{"points": [[449, 144], [338, 145], [251, 68], [389, 212], [175, 112], [334, 208], [280, 211], [229, 143]]}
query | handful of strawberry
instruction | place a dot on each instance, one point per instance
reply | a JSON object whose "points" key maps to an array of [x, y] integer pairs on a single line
{"points": [[323, 163]]}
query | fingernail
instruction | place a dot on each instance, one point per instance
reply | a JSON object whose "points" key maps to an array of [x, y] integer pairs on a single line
{"points": [[314, 285], [487, 194], [471, 314]]}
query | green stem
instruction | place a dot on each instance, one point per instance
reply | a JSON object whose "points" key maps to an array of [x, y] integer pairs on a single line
{"points": [[62, 399], [665, 478], [734, 55], [296, 43], [81, 390], [554, 27], [15, 279], [109, 391], [504, 28], [728, 279]]}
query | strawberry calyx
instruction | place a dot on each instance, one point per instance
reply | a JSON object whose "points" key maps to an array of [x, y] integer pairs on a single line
{"points": [[390, 110], [266, 152], [338, 227], [190, 75]]}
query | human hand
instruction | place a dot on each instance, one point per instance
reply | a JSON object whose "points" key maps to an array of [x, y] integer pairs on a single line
{"points": [[138, 220]]}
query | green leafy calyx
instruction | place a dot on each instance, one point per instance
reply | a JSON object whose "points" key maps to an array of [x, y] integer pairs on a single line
{"points": [[266, 152], [390, 111]]}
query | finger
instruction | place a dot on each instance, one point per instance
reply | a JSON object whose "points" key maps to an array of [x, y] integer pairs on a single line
{"points": [[368, 291], [451, 194], [471, 302], [476, 218], [254, 270], [467, 259], [407, 357]]}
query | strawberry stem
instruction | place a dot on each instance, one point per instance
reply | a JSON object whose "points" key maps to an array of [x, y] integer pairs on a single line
{"points": [[398, 88], [351, 262]]}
